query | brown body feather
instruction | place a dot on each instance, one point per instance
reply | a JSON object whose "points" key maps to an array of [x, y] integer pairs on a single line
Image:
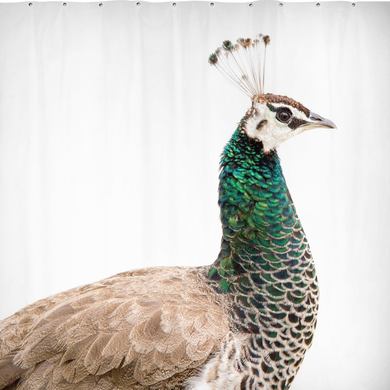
{"points": [[148, 328]]}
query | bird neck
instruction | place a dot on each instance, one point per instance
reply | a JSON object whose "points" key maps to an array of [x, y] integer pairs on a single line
{"points": [[262, 234]]}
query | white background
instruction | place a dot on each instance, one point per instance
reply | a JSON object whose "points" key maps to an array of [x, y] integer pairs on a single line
{"points": [[111, 127]]}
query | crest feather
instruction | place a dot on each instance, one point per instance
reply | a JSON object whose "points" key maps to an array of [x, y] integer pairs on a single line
{"points": [[243, 63]]}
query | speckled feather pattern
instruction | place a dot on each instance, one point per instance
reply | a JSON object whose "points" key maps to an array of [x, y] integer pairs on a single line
{"points": [[265, 265]]}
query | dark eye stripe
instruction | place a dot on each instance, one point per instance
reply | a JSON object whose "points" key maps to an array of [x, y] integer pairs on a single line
{"points": [[296, 122]]}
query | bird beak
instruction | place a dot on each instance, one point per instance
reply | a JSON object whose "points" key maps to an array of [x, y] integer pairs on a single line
{"points": [[318, 121]]}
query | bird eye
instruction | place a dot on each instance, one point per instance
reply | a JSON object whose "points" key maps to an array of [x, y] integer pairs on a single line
{"points": [[284, 115]]}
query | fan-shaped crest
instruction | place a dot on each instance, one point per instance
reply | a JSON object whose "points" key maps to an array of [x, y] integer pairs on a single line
{"points": [[243, 63]]}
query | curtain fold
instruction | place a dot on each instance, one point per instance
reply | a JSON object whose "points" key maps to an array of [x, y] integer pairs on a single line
{"points": [[111, 127]]}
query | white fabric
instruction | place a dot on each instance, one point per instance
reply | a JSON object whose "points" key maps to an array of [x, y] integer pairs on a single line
{"points": [[111, 127]]}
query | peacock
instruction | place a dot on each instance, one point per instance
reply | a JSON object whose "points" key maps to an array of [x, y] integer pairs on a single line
{"points": [[243, 322]]}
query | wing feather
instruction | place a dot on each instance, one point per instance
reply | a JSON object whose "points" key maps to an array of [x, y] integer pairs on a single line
{"points": [[145, 326]]}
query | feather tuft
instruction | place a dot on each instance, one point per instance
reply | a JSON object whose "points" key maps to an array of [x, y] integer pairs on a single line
{"points": [[243, 63], [213, 59]]}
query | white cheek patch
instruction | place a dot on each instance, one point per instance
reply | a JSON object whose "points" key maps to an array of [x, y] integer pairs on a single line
{"points": [[263, 126]]}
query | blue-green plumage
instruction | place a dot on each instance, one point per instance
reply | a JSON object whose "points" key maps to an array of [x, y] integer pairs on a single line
{"points": [[264, 267], [259, 221]]}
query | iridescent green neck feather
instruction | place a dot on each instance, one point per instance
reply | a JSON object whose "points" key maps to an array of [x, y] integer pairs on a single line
{"points": [[264, 252]]}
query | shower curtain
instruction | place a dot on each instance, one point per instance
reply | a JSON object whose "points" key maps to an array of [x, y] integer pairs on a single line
{"points": [[111, 127]]}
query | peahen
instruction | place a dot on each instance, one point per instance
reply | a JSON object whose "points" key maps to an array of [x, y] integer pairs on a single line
{"points": [[244, 322]]}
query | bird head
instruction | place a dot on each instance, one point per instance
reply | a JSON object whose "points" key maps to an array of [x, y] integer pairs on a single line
{"points": [[273, 119]]}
